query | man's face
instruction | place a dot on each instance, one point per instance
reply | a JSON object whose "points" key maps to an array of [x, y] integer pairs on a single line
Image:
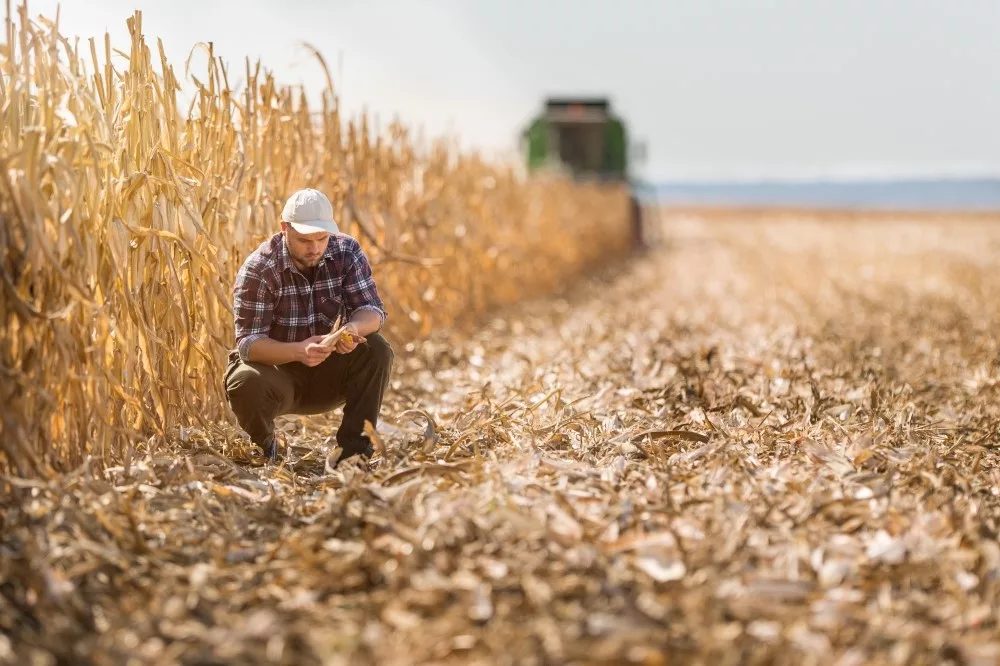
{"points": [[305, 249]]}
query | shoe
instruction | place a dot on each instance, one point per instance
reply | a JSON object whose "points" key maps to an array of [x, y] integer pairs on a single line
{"points": [[270, 448], [361, 447]]}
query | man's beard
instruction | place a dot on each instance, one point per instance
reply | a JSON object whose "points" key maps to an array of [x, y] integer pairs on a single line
{"points": [[308, 262]]}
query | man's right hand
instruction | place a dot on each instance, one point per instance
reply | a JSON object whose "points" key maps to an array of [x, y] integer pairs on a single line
{"points": [[312, 352]]}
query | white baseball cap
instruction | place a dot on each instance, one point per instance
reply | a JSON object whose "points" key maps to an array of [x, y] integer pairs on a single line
{"points": [[308, 211]]}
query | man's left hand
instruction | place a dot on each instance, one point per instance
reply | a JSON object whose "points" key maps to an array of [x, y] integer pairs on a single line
{"points": [[349, 341]]}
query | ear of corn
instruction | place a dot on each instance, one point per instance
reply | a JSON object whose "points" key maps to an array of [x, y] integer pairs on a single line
{"points": [[125, 218], [338, 334]]}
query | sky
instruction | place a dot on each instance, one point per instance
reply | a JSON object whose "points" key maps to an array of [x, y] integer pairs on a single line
{"points": [[715, 89]]}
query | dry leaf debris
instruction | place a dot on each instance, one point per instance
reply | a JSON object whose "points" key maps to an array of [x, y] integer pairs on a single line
{"points": [[766, 443]]}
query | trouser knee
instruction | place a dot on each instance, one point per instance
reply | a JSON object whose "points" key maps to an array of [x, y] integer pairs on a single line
{"points": [[380, 352], [245, 387]]}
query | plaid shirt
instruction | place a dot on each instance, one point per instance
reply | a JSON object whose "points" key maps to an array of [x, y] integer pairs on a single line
{"points": [[271, 298]]}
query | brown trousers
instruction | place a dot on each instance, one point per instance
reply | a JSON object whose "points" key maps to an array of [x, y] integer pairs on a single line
{"points": [[258, 393]]}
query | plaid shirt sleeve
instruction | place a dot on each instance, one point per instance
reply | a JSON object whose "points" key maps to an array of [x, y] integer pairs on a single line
{"points": [[253, 306], [360, 292]]}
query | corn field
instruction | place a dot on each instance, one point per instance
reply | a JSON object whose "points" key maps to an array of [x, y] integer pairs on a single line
{"points": [[126, 217], [772, 440]]}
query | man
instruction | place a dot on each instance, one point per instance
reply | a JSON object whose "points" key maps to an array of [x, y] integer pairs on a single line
{"points": [[288, 294]]}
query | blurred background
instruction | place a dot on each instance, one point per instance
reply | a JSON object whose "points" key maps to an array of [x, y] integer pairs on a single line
{"points": [[852, 103]]}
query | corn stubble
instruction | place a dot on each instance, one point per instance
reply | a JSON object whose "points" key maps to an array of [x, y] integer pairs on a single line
{"points": [[126, 217]]}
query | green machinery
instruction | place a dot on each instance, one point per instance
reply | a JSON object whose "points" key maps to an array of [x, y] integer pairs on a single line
{"points": [[583, 137], [580, 135]]}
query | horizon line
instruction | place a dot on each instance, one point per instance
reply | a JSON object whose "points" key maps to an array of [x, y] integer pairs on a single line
{"points": [[836, 175]]}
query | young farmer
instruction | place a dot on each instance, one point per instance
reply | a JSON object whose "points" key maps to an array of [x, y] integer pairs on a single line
{"points": [[289, 294]]}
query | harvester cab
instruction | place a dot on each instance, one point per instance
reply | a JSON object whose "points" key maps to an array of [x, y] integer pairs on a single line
{"points": [[585, 139]]}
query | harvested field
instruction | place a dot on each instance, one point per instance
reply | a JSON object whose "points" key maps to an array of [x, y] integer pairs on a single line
{"points": [[766, 442]]}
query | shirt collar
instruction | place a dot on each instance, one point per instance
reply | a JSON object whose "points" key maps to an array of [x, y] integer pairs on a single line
{"points": [[284, 259]]}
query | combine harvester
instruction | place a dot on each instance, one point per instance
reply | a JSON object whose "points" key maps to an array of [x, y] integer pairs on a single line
{"points": [[584, 139]]}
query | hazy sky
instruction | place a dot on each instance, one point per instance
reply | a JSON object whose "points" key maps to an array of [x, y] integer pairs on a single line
{"points": [[716, 88]]}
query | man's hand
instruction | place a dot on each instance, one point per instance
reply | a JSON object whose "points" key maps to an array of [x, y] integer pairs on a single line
{"points": [[349, 341], [312, 352]]}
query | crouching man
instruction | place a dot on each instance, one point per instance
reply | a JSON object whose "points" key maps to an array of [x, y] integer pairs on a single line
{"points": [[288, 294]]}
